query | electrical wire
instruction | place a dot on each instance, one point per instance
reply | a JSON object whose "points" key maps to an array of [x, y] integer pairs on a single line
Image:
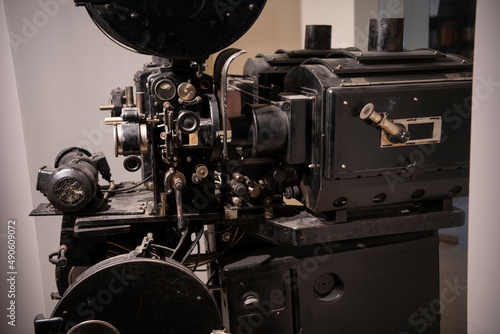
{"points": [[212, 275], [193, 245], [198, 257], [214, 256], [128, 189]]}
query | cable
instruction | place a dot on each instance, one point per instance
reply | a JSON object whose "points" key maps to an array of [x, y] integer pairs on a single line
{"points": [[198, 257], [195, 242], [213, 273], [165, 248], [214, 256], [128, 189]]}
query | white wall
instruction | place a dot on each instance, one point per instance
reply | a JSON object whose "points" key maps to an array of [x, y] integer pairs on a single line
{"points": [[65, 68], [15, 204], [338, 14], [484, 225], [350, 19], [278, 27]]}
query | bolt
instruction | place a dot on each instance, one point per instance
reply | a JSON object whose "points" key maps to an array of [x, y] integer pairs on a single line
{"points": [[195, 179], [251, 7], [238, 177], [178, 183], [226, 237], [238, 202], [189, 159]]}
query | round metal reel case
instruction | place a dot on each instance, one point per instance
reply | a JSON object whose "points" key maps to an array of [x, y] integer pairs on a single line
{"points": [[191, 29], [129, 295]]}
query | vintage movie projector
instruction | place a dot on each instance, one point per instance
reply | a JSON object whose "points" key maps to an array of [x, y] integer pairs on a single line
{"points": [[318, 180]]}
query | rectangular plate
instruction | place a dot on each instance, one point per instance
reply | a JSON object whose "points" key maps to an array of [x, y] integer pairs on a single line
{"points": [[423, 130]]}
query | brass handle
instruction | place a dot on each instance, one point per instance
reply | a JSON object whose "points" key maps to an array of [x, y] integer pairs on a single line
{"points": [[380, 120]]}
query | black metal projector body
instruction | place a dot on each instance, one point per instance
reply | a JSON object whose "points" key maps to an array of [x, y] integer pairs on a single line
{"points": [[348, 162], [374, 145], [374, 285]]}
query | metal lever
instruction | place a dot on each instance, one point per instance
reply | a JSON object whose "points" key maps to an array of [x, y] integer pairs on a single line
{"points": [[59, 258], [396, 131]]}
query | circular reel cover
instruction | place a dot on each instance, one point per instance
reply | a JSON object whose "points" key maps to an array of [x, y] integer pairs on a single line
{"points": [[191, 29], [138, 295]]}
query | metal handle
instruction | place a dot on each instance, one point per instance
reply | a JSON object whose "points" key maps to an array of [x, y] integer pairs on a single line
{"points": [[380, 120]]}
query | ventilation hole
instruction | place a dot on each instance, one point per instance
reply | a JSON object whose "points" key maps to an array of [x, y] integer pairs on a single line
{"points": [[455, 191], [328, 288], [418, 193], [379, 198], [340, 202], [69, 191]]}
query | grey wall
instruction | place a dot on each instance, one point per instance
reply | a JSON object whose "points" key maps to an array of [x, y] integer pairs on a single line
{"points": [[65, 68], [484, 225], [15, 204]]}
